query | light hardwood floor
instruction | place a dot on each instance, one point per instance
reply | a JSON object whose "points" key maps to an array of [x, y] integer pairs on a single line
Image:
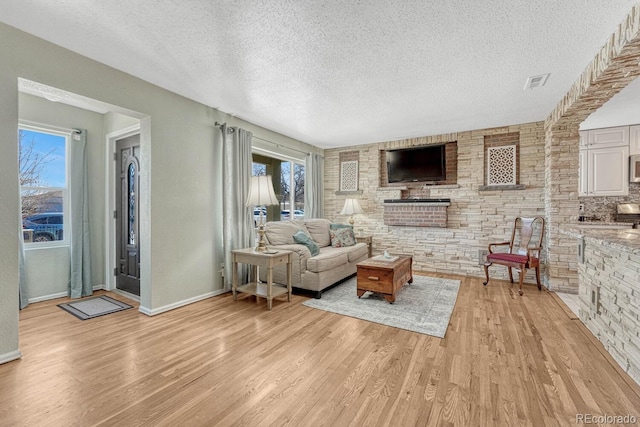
{"points": [[505, 360]]}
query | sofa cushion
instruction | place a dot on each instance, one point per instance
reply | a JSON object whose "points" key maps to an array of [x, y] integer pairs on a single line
{"points": [[318, 229], [357, 252], [342, 237], [304, 239], [281, 232], [299, 256], [327, 259]]}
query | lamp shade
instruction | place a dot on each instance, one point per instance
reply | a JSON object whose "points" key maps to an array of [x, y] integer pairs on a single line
{"points": [[351, 207], [261, 192]]}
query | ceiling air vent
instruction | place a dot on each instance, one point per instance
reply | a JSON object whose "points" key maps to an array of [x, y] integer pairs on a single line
{"points": [[536, 81]]}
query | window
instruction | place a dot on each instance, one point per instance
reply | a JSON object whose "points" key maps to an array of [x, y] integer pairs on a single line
{"points": [[43, 184], [288, 183], [259, 169]]}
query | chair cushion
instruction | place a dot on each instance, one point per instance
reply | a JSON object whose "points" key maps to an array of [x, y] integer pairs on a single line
{"points": [[304, 239], [499, 256]]}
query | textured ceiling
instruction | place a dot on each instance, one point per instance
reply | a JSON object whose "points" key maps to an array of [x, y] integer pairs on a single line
{"points": [[336, 73]]}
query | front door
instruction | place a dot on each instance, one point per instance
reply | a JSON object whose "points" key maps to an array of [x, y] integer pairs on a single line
{"points": [[127, 214]]}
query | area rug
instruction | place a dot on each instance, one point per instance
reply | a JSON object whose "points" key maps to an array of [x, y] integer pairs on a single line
{"points": [[88, 308], [425, 306]]}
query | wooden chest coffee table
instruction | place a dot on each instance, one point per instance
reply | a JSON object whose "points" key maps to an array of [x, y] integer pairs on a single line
{"points": [[384, 276]]}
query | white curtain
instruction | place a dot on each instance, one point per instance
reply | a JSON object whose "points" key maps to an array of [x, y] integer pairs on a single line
{"points": [[23, 292], [238, 229], [80, 274], [314, 186]]}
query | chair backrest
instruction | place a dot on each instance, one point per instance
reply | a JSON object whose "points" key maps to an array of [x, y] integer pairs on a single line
{"points": [[527, 233]]}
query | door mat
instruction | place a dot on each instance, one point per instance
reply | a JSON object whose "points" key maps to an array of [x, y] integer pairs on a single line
{"points": [[89, 308], [424, 306]]}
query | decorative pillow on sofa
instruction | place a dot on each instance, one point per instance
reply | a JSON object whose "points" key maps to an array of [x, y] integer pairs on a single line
{"points": [[342, 236], [304, 239], [338, 225]]}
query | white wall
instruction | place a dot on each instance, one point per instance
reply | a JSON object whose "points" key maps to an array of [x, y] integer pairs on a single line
{"points": [[182, 171], [9, 218], [47, 271]]}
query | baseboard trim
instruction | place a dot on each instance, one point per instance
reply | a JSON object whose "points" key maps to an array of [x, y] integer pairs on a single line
{"points": [[128, 295], [48, 297], [169, 307], [58, 295], [11, 356]]}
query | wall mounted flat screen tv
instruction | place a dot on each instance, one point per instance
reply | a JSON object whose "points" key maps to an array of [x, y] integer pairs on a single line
{"points": [[417, 164]]}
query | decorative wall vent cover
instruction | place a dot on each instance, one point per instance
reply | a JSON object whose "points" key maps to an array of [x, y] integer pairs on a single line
{"points": [[501, 165], [349, 176]]}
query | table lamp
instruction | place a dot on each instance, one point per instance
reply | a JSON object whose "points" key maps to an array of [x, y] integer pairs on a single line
{"points": [[351, 207], [261, 193]]}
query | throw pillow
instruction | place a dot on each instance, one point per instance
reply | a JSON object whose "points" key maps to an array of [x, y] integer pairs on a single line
{"points": [[304, 239], [338, 225], [342, 237]]}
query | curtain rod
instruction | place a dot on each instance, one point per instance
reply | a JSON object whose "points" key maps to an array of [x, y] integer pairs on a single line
{"points": [[282, 146], [306, 153], [230, 129]]}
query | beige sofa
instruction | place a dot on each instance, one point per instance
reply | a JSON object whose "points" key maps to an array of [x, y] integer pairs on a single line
{"points": [[312, 273]]}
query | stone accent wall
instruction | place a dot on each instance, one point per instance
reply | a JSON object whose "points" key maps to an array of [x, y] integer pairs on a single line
{"points": [[613, 68], [416, 214], [613, 316], [561, 207], [475, 218], [349, 156]]}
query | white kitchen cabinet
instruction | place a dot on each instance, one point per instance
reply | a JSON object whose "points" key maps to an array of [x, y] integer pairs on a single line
{"points": [[608, 171], [604, 161], [634, 140], [583, 183], [609, 137], [584, 138]]}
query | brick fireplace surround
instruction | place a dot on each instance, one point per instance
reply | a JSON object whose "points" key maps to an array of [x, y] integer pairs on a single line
{"points": [[416, 212]]}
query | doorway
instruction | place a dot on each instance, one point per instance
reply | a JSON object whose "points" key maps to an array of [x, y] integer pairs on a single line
{"points": [[127, 223]]}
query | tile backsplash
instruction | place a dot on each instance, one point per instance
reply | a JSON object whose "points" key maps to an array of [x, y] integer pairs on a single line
{"points": [[604, 208]]}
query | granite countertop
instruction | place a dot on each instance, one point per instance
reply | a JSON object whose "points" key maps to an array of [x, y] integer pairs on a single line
{"points": [[596, 224], [627, 240]]}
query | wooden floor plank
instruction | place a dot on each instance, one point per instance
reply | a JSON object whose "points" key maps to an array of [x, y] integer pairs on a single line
{"points": [[506, 360]]}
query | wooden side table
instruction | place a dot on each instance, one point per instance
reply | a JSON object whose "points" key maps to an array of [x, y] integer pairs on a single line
{"points": [[368, 239], [265, 260]]}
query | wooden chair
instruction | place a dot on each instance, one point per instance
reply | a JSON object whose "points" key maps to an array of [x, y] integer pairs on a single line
{"points": [[523, 252]]}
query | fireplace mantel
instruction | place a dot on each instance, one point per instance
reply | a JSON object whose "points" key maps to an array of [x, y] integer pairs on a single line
{"points": [[429, 201]]}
